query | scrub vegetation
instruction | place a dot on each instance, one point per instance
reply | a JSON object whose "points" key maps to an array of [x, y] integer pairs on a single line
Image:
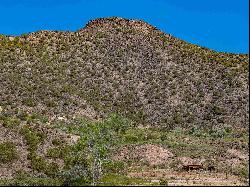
{"points": [[121, 103]]}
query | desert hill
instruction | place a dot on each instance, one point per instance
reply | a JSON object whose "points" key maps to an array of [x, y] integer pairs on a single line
{"points": [[126, 67]]}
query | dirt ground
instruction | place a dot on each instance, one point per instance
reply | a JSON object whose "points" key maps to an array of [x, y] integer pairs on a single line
{"points": [[191, 178]]}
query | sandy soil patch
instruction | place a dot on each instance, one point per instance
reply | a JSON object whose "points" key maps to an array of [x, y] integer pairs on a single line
{"points": [[153, 154]]}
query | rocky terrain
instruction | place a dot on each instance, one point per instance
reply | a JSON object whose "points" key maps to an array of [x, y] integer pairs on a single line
{"points": [[116, 99]]}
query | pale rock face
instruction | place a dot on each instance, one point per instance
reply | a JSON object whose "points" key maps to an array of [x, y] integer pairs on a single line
{"points": [[74, 138], [11, 38], [62, 118], [189, 161]]}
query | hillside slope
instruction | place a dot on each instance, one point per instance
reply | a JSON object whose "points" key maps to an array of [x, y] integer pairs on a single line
{"points": [[128, 67], [121, 103]]}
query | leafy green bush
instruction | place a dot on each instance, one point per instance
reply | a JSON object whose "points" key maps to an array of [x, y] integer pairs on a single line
{"points": [[59, 152], [77, 175], [163, 182], [91, 150], [113, 166], [8, 152], [131, 138], [41, 165], [32, 137], [31, 181], [242, 171], [58, 142], [10, 122]]}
